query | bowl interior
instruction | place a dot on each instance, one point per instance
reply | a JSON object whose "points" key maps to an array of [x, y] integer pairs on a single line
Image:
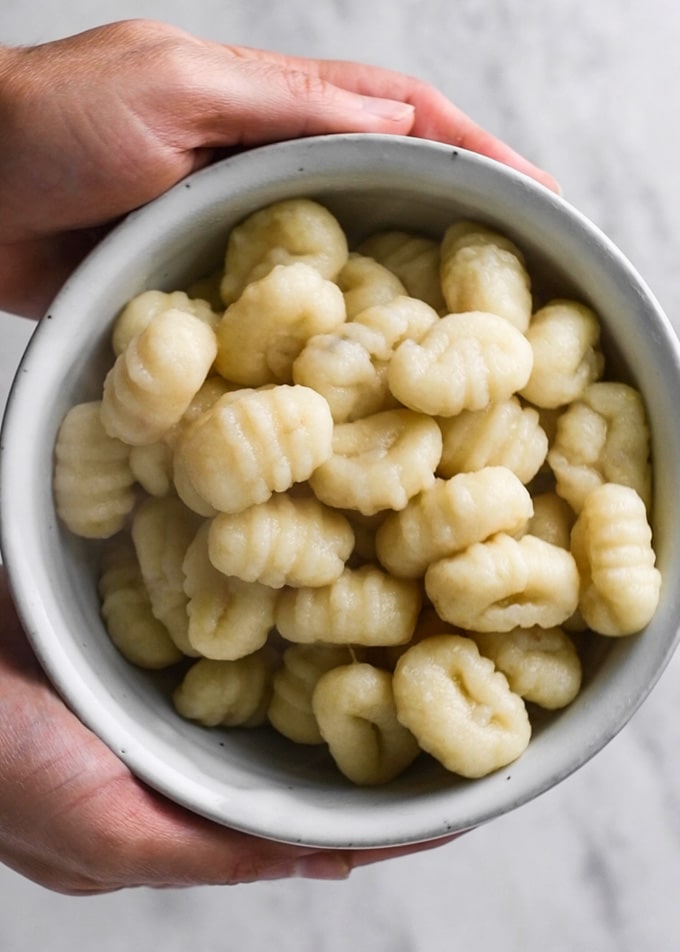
{"points": [[255, 780]]}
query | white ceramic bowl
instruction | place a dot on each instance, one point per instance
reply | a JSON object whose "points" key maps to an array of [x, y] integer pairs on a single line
{"points": [[255, 780]]}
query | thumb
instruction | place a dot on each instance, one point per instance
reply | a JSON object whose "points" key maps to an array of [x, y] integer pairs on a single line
{"points": [[255, 101]]}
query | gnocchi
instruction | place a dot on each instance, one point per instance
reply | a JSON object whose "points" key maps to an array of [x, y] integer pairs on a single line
{"points": [[464, 362], [227, 617], [261, 333], [126, 609], [93, 481], [290, 709], [372, 498], [542, 665], [364, 283], [284, 541], [414, 259], [612, 545], [154, 379], [482, 270], [138, 313], [505, 433], [286, 232], [355, 709], [161, 531], [602, 437], [349, 367], [564, 337], [505, 583], [459, 707], [227, 693], [254, 443], [379, 462], [450, 516], [364, 606]]}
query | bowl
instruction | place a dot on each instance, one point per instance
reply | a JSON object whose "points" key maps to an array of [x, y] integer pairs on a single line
{"points": [[255, 780]]}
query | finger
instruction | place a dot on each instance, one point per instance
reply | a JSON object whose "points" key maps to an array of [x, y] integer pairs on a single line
{"points": [[166, 845], [247, 99], [435, 116], [368, 857], [74, 818]]}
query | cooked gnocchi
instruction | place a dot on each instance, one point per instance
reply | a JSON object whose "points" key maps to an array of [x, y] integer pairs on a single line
{"points": [[379, 462], [506, 433], [126, 609], [413, 258], [253, 443], [505, 583], [374, 498], [227, 693], [355, 709], [449, 517], [154, 379], [459, 707], [264, 330], [612, 545], [286, 232], [482, 270], [93, 481], [602, 437], [465, 362]]}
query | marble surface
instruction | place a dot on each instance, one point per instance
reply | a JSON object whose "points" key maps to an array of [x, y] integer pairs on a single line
{"points": [[590, 92]]}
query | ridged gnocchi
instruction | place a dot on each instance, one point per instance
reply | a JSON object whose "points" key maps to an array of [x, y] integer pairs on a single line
{"points": [[93, 482], [126, 609], [542, 665], [413, 258], [349, 367], [227, 693], [227, 618], [364, 606], [154, 379], [253, 443], [565, 338], [286, 232], [138, 313], [450, 516], [261, 333], [505, 433], [357, 717], [375, 499], [505, 583], [290, 709], [162, 530], [482, 270], [379, 462], [459, 707], [284, 541], [612, 545], [602, 437], [465, 362], [364, 283]]}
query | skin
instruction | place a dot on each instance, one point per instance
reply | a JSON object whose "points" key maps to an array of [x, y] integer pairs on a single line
{"points": [[76, 156]]}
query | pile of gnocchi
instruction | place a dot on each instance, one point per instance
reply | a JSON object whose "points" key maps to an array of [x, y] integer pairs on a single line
{"points": [[373, 497]]}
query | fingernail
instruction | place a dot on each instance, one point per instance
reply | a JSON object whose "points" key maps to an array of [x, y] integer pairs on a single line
{"points": [[323, 866], [388, 108], [551, 183]]}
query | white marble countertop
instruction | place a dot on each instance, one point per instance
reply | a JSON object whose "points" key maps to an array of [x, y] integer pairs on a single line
{"points": [[588, 90]]}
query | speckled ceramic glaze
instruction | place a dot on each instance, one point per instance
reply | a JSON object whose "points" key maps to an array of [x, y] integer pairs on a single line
{"points": [[255, 780]]}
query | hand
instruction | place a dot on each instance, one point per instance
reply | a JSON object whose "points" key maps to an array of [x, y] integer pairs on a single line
{"points": [[94, 126], [75, 820], [100, 123]]}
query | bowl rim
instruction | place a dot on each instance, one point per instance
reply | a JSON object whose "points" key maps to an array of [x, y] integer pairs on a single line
{"points": [[64, 655]]}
